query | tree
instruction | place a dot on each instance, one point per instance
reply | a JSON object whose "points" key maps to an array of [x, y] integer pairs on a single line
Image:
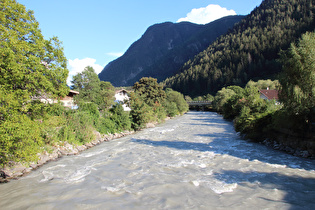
{"points": [[92, 89], [221, 98], [107, 92], [298, 80], [87, 83], [28, 62], [140, 112], [151, 92], [175, 101]]}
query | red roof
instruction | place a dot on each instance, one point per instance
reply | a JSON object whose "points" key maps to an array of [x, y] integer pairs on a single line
{"points": [[270, 94]]}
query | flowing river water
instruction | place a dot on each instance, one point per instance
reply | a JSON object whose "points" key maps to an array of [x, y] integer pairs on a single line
{"points": [[196, 161]]}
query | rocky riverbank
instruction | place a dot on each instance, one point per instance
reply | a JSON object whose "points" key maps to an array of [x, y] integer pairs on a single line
{"points": [[292, 143], [16, 170]]}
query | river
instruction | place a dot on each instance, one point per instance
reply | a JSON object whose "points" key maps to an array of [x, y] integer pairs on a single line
{"points": [[196, 161]]}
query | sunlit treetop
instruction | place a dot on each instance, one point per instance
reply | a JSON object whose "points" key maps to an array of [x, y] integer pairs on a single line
{"points": [[28, 62]]}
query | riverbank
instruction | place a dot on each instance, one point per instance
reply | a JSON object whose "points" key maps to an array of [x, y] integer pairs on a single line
{"points": [[291, 143], [16, 169]]}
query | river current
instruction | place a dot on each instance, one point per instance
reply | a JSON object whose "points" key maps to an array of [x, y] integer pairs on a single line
{"points": [[196, 161]]}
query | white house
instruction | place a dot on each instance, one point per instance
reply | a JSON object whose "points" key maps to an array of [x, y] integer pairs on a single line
{"points": [[121, 96], [66, 101]]}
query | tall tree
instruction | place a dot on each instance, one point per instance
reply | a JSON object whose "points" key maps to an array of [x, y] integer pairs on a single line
{"points": [[28, 62], [149, 89], [92, 89], [298, 79]]}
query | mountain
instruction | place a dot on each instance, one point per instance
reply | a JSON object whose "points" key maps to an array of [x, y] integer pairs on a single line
{"points": [[163, 49], [248, 51]]}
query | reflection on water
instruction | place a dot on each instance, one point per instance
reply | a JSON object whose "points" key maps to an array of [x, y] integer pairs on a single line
{"points": [[196, 161]]}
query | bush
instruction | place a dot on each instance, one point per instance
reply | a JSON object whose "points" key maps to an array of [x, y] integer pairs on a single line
{"points": [[171, 109], [78, 129], [179, 100], [91, 109], [159, 112], [20, 139], [120, 118], [106, 126], [140, 112]]}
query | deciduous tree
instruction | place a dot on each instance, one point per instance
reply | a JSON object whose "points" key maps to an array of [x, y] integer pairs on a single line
{"points": [[150, 90], [28, 62], [298, 79], [92, 89]]}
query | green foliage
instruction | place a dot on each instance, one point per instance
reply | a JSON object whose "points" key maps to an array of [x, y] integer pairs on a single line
{"points": [[232, 107], [140, 112], [159, 112], [298, 80], [171, 109], [20, 139], [106, 125], [91, 109], [28, 62], [78, 128], [177, 98], [120, 118], [249, 51], [11, 103], [252, 115], [92, 89], [264, 84], [150, 91], [221, 98]]}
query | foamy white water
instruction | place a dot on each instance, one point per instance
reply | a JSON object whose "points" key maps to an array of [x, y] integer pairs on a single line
{"points": [[196, 161]]}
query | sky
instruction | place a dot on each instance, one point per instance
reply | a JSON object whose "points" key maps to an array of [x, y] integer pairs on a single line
{"points": [[96, 32]]}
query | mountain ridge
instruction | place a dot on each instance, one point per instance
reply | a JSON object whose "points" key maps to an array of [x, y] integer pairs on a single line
{"points": [[163, 49]]}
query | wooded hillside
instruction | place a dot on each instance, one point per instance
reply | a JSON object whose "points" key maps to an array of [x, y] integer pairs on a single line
{"points": [[248, 51]]}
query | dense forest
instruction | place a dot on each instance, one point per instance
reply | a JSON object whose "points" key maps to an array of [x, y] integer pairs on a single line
{"points": [[248, 51]]}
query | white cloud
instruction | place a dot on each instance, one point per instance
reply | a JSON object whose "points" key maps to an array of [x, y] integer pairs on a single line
{"points": [[207, 14], [78, 65], [115, 54]]}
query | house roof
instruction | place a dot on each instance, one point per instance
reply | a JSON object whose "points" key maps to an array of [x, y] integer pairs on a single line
{"points": [[270, 94], [121, 90], [74, 92]]}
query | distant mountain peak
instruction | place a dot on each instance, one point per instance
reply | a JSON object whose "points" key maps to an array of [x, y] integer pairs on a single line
{"points": [[163, 49]]}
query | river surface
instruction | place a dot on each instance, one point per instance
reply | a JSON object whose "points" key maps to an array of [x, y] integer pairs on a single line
{"points": [[196, 161]]}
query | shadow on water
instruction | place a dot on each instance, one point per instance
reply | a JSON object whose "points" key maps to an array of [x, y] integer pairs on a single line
{"points": [[227, 141], [300, 192]]}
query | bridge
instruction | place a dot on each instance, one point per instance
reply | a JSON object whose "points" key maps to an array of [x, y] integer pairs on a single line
{"points": [[201, 104]]}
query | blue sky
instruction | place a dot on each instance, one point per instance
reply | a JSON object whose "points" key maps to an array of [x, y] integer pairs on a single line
{"points": [[96, 32]]}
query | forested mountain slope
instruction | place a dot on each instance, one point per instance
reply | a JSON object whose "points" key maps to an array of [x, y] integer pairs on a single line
{"points": [[163, 49], [248, 51]]}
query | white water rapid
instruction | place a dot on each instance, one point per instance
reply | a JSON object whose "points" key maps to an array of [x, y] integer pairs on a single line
{"points": [[196, 161]]}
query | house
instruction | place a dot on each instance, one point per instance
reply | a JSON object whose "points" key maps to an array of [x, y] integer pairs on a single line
{"points": [[269, 94], [68, 101], [121, 96]]}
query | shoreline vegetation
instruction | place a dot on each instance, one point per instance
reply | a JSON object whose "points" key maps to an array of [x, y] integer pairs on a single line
{"points": [[49, 131], [16, 170]]}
